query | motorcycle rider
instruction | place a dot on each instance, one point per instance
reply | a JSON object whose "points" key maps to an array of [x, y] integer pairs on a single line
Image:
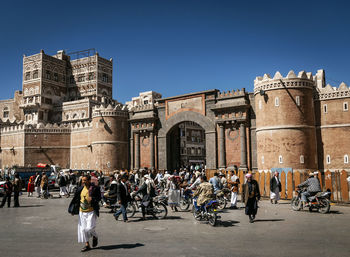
{"points": [[112, 191], [215, 181], [313, 187], [204, 192]]}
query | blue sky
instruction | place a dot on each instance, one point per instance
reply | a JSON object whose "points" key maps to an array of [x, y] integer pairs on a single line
{"points": [[182, 46]]}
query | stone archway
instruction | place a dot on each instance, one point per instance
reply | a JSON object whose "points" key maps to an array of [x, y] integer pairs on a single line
{"points": [[210, 135]]}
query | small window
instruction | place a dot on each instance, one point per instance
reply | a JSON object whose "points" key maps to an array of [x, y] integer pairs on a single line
{"points": [[82, 166], [81, 78], [35, 74], [145, 102], [27, 76], [280, 159], [91, 76], [6, 112], [262, 159], [345, 106], [325, 108], [277, 101], [105, 77], [302, 159], [346, 159], [48, 74], [328, 159], [260, 104], [55, 77], [297, 100], [75, 165], [71, 79]]}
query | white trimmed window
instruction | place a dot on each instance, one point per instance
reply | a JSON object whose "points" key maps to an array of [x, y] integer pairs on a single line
{"points": [[345, 106], [328, 159], [325, 109], [262, 159], [75, 165], [297, 100], [346, 159], [302, 159], [260, 104], [277, 101], [280, 159], [82, 166]]}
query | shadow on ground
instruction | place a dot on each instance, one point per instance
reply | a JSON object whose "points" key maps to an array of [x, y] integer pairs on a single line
{"points": [[124, 246], [28, 206], [268, 220], [227, 223]]}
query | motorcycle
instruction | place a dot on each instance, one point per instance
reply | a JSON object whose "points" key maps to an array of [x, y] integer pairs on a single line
{"points": [[320, 201], [186, 199], [113, 204], [158, 209], [221, 198], [206, 211]]}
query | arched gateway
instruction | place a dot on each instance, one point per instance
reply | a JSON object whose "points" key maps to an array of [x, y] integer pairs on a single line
{"points": [[226, 118]]}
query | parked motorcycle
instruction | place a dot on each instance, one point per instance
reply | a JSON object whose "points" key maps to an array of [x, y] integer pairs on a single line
{"points": [[206, 211], [320, 201]]}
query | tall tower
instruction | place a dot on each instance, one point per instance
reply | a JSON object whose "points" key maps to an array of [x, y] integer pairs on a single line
{"points": [[285, 121], [109, 137]]}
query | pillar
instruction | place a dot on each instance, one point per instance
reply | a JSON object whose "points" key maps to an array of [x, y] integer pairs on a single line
{"points": [[137, 150], [242, 133], [222, 162], [131, 152], [151, 141]]}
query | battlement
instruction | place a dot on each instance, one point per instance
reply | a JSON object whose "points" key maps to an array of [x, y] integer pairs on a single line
{"points": [[110, 110], [232, 93], [330, 92], [143, 107], [302, 80], [81, 125], [38, 128]]}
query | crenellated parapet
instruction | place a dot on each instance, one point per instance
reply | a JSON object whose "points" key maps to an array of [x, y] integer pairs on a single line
{"points": [[81, 126], [266, 83], [232, 93], [110, 110], [143, 107], [329, 92], [36, 128]]}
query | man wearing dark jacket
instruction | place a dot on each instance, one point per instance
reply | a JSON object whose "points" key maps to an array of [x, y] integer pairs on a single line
{"points": [[275, 188], [87, 197], [123, 196], [7, 194]]}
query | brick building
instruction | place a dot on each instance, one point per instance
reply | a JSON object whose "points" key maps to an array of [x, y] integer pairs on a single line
{"points": [[65, 115]]}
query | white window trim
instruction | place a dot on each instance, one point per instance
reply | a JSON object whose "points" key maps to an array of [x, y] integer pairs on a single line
{"points": [[325, 108], [297, 100], [328, 159], [302, 159], [262, 159], [280, 159], [260, 104], [347, 106], [277, 101], [346, 159]]}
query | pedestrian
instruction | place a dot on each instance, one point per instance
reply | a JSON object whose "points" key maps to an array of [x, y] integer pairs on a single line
{"points": [[30, 187], [37, 183], [173, 189], [8, 187], [234, 182], [17, 188], [123, 195], [216, 182], [275, 188], [62, 183], [44, 185], [251, 196], [87, 197], [147, 190]]}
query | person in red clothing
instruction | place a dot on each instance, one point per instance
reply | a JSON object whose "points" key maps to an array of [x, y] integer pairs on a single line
{"points": [[30, 188]]}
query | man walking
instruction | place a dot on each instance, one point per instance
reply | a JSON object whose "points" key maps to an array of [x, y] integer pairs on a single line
{"points": [[88, 195], [123, 196], [275, 188], [7, 194], [251, 196], [17, 187], [37, 183], [234, 182]]}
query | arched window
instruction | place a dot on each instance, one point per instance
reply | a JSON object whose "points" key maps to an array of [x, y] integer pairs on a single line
{"points": [[328, 159], [301, 158], [346, 159], [35, 74], [280, 159], [277, 101], [262, 159]]}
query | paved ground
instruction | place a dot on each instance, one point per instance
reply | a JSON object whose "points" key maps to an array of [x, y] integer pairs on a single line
{"points": [[44, 228]]}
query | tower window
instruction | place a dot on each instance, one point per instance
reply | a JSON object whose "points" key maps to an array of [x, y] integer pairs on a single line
{"points": [[48, 74], [297, 100], [280, 159], [6, 112], [325, 108], [55, 77], [302, 159], [346, 159], [91, 76], [35, 74], [27, 76], [328, 159], [260, 104], [277, 101], [345, 106], [105, 77], [262, 159]]}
